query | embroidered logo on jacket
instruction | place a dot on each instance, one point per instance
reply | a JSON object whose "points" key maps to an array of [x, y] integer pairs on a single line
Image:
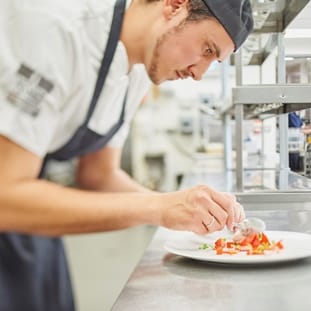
{"points": [[28, 90]]}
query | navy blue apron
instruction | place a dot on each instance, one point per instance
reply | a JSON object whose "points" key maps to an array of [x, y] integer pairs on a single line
{"points": [[33, 269]]}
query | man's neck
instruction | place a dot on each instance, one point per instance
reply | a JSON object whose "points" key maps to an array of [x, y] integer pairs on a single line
{"points": [[137, 28]]}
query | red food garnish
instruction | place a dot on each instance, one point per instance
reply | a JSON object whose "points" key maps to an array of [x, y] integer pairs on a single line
{"points": [[256, 243]]}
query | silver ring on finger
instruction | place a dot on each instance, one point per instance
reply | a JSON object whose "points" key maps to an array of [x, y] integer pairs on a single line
{"points": [[211, 222]]}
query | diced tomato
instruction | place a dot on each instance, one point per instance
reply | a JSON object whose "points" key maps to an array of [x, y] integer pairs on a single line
{"points": [[249, 239], [219, 251], [230, 244], [279, 245], [244, 242], [256, 241], [264, 239], [220, 243]]}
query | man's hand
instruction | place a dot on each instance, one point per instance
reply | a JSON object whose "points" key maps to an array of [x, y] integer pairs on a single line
{"points": [[200, 209]]}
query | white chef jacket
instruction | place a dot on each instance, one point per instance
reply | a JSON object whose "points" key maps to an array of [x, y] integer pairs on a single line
{"points": [[49, 59]]}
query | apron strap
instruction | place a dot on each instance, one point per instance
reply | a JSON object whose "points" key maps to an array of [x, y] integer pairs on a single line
{"points": [[115, 30], [112, 42]]}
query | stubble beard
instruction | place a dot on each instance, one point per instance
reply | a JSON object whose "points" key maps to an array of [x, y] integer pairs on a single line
{"points": [[153, 69]]}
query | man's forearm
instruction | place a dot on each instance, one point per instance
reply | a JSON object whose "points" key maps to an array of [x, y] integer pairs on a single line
{"points": [[40, 207]]}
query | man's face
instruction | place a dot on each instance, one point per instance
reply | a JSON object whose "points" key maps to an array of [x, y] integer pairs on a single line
{"points": [[187, 50]]}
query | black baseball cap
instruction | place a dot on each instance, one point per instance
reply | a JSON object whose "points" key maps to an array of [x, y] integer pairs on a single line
{"points": [[235, 16]]}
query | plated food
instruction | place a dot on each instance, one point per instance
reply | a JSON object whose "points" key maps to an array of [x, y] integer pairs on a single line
{"points": [[255, 243], [220, 247]]}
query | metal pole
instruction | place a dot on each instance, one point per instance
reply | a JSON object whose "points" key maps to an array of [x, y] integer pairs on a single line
{"points": [[227, 137], [226, 119], [283, 118], [239, 116]]}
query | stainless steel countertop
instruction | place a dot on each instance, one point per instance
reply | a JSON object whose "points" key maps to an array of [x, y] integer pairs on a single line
{"points": [[163, 281]]}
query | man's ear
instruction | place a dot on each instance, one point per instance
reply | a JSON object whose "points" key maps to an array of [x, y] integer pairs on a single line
{"points": [[173, 7]]}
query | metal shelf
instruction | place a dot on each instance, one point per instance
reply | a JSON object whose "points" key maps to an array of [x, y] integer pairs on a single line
{"points": [[276, 15], [287, 198], [270, 18], [257, 48], [256, 181], [268, 100]]}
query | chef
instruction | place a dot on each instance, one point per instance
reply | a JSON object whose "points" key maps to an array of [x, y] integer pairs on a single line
{"points": [[72, 74]]}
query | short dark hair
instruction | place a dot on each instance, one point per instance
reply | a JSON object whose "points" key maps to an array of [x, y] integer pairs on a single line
{"points": [[197, 10]]}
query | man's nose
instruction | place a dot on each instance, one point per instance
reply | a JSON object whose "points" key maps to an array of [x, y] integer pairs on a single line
{"points": [[199, 69]]}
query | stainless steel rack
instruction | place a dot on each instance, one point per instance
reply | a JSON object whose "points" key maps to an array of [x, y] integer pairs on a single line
{"points": [[270, 17], [268, 100], [262, 101]]}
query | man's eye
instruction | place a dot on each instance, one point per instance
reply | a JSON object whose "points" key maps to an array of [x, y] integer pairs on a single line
{"points": [[208, 52]]}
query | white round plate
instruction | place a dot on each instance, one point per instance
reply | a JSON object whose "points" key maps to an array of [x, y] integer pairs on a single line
{"points": [[296, 246]]}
